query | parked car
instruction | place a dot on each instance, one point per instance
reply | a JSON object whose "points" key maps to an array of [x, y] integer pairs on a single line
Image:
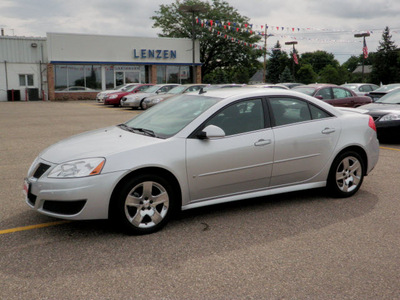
{"points": [[269, 85], [291, 85], [333, 94], [115, 98], [180, 89], [386, 114], [361, 89], [78, 89], [136, 100], [383, 90], [100, 96], [199, 149]]}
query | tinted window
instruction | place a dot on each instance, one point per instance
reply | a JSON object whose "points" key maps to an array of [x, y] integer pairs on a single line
{"points": [[325, 93], [240, 117], [289, 110], [339, 93]]}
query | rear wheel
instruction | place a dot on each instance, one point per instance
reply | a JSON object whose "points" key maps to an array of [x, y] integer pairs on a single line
{"points": [[144, 204], [346, 174]]}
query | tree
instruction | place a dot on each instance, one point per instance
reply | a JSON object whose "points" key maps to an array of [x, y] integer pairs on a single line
{"points": [[276, 64], [386, 65], [216, 52], [286, 75], [319, 60], [306, 74]]}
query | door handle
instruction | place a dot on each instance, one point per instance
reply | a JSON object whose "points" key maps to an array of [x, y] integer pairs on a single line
{"points": [[262, 142], [328, 130]]}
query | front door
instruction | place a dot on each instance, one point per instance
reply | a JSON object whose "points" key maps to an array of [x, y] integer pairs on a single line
{"points": [[239, 162]]}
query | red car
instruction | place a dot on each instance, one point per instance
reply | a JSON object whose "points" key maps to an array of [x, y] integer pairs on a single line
{"points": [[115, 98], [334, 95]]}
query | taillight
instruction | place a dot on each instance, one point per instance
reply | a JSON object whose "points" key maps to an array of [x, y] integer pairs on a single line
{"points": [[371, 123]]}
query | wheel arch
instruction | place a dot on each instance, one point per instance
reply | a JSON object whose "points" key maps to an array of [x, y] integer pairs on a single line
{"points": [[360, 151], [148, 170]]}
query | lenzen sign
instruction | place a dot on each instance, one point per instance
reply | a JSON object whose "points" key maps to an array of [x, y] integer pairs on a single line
{"points": [[158, 54]]}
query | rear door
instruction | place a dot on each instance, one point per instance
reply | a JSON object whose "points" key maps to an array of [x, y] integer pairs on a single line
{"points": [[305, 137]]}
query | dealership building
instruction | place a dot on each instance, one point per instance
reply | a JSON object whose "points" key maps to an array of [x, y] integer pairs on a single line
{"points": [[66, 66]]}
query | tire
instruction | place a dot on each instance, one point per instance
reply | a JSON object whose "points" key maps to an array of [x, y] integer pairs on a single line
{"points": [[144, 204], [346, 174], [141, 104]]}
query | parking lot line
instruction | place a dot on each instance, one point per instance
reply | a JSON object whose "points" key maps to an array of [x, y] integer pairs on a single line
{"points": [[30, 227], [387, 148]]}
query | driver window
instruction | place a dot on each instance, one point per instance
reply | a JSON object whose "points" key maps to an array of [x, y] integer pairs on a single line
{"points": [[240, 117]]}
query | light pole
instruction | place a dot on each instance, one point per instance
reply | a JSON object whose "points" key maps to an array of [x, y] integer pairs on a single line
{"points": [[292, 43], [195, 8], [363, 35]]}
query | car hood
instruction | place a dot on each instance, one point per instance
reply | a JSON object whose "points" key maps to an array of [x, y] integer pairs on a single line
{"points": [[380, 109], [98, 143]]}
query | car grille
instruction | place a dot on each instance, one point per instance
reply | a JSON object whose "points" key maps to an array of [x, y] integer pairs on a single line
{"points": [[40, 170]]}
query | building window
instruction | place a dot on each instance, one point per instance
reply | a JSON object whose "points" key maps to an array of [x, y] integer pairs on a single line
{"points": [[77, 77], [173, 74], [26, 80]]}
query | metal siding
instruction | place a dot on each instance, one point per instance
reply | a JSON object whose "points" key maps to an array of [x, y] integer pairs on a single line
{"points": [[19, 50]]}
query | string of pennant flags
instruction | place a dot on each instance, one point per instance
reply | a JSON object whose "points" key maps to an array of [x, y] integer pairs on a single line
{"points": [[222, 29]]}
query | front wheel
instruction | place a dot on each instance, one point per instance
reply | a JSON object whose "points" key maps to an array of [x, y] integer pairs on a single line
{"points": [[144, 204], [346, 174]]}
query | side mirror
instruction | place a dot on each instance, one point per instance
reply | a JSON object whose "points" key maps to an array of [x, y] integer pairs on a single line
{"points": [[319, 97], [211, 132]]}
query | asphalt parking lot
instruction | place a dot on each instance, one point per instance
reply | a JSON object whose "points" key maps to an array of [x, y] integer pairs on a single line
{"points": [[302, 245]]}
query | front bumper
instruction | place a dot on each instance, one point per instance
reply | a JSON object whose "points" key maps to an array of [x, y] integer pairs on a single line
{"points": [[73, 198]]}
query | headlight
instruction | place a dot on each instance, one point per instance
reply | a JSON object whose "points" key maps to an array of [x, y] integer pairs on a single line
{"points": [[158, 100], [78, 168], [390, 117], [112, 96]]}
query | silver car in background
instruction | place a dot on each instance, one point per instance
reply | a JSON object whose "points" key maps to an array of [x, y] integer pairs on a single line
{"points": [[180, 89], [136, 100], [218, 146]]}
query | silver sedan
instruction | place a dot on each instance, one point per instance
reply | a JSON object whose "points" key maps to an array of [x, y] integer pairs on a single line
{"points": [[219, 146]]}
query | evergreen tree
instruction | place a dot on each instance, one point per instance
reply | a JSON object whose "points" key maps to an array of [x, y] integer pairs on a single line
{"points": [[286, 75], [386, 64], [276, 64]]}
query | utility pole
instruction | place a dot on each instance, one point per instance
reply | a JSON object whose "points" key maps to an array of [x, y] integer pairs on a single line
{"points": [[265, 54]]}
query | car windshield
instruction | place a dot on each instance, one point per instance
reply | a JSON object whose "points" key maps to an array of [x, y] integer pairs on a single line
{"points": [[129, 88], [153, 88], [177, 90], [391, 98], [387, 88], [168, 118], [350, 86], [305, 90]]}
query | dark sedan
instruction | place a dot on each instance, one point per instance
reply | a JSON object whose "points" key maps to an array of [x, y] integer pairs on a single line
{"points": [[334, 95], [115, 98], [383, 90], [386, 114]]}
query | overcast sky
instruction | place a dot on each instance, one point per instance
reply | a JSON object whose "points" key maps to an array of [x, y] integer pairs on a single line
{"points": [[324, 25]]}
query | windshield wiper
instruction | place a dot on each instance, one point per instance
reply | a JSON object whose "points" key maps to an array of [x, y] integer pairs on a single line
{"points": [[141, 130], [145, 131]]}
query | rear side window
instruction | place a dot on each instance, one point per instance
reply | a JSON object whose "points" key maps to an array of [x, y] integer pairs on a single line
{"points": [[339, 93], [290, 110]]}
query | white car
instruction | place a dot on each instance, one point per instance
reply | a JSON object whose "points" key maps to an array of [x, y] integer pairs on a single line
{"points": [[136, 100], [100, 96], [199, 149]]}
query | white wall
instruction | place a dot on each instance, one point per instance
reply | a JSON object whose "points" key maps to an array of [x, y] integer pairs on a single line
{"points": [[116, 49]]}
